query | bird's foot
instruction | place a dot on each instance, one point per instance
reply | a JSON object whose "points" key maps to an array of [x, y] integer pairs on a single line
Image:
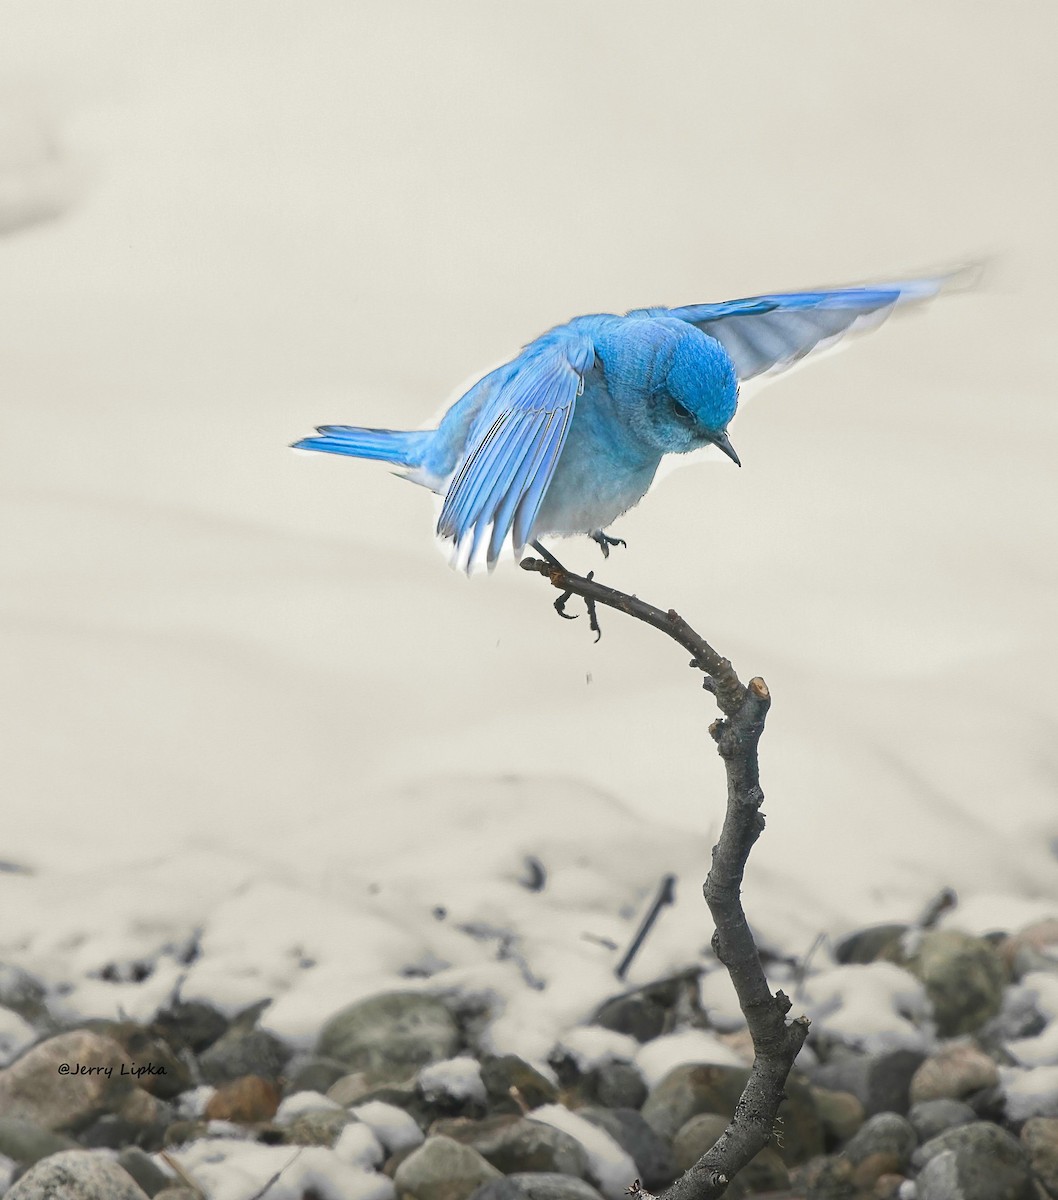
{"points": [[561, 602], [560, 607], [589, 604], [605, 541]]}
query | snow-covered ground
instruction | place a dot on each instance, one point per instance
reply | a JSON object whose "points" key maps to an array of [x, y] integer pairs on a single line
{"points": [[244, 699]]}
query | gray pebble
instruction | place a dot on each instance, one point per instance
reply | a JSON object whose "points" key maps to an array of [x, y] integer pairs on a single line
{"points": [[537, 1187], [616, 1085], [930, 1117], [391, 1035], [973, 1162], [77, 1175], [879, 1081], [652, 1155], [884, 1133], [25, 1142], [244, 1052], [144, 1170]]}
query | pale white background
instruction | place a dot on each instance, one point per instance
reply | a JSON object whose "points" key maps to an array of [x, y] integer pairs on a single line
{"points": [[280, 214]]}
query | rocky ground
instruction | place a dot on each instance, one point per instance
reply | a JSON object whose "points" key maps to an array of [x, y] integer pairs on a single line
{"points": [[399, 1097]]}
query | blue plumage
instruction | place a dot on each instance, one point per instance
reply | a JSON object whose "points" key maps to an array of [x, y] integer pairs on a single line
{"points": [[570, 433], [386, 445]]}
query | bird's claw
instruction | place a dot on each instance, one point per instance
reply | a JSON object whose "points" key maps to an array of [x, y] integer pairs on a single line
{"points": [[604, 542], [589, 604], [560, 607], [593, 616]]}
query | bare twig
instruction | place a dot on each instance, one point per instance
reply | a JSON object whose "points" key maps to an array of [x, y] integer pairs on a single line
{"points": [[185, 1178], [775, 1042], [728, 690], [945, 900], [275, 1178], [666, 894]]}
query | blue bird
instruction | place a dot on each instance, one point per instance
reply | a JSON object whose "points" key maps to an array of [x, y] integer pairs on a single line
{"points": [[569, 435]]}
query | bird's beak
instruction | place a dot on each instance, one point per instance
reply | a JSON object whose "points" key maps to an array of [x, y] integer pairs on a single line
{"points": [[722, 440]]}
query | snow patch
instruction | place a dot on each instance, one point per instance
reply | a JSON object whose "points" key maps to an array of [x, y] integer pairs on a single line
{"points": [[876, 1006], [593, 1046], [191, 1105], [358, 1146], [658, 1057], [393, 1127], [458, 1078], [998, 912], [1031, 1092], [612, 1168], [227, 1170]]}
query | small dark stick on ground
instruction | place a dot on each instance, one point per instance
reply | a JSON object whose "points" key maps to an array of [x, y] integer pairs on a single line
{"points": [[776, 1043], [535, 874], [666, 894], [262, 1192], [945, 900], [182, 1175]]}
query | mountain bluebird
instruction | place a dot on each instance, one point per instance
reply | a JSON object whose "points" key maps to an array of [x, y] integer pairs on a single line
{"points": [[568, 435]]}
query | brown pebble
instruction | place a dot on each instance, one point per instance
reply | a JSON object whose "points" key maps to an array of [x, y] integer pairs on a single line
{"points": [[1041, 936], [247, 1099], [956, 1070], [139, 1107], [887, 1187], [870, 1169]]}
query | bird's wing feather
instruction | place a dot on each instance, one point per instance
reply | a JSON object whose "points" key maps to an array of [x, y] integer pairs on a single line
{"points": [[514, 447], [768, 334]]}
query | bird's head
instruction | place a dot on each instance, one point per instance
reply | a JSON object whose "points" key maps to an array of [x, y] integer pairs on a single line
{"points": [[693, 394]]}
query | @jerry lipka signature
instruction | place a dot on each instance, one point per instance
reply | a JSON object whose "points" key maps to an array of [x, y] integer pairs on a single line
{"points": [[131, 1069]]}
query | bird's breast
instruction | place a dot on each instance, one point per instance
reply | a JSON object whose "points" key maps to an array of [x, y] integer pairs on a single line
{"points": [[603, 471]]}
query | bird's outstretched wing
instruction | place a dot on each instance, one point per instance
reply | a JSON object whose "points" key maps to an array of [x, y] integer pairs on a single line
{"points": [[514, 446], [768, 334]]}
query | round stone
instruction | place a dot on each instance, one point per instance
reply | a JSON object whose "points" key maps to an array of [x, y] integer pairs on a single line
{"points": [[390, 1036], [77, 1175], [443, 1169]]}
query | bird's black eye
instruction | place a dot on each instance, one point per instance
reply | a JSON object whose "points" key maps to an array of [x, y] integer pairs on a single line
{"points": [[682, 411]]}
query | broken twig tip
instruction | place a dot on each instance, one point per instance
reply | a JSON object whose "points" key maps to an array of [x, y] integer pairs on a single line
{"points": [[759, 688]]}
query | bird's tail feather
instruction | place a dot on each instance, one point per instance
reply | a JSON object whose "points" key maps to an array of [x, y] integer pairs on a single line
{"points": [[403, 449]]}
